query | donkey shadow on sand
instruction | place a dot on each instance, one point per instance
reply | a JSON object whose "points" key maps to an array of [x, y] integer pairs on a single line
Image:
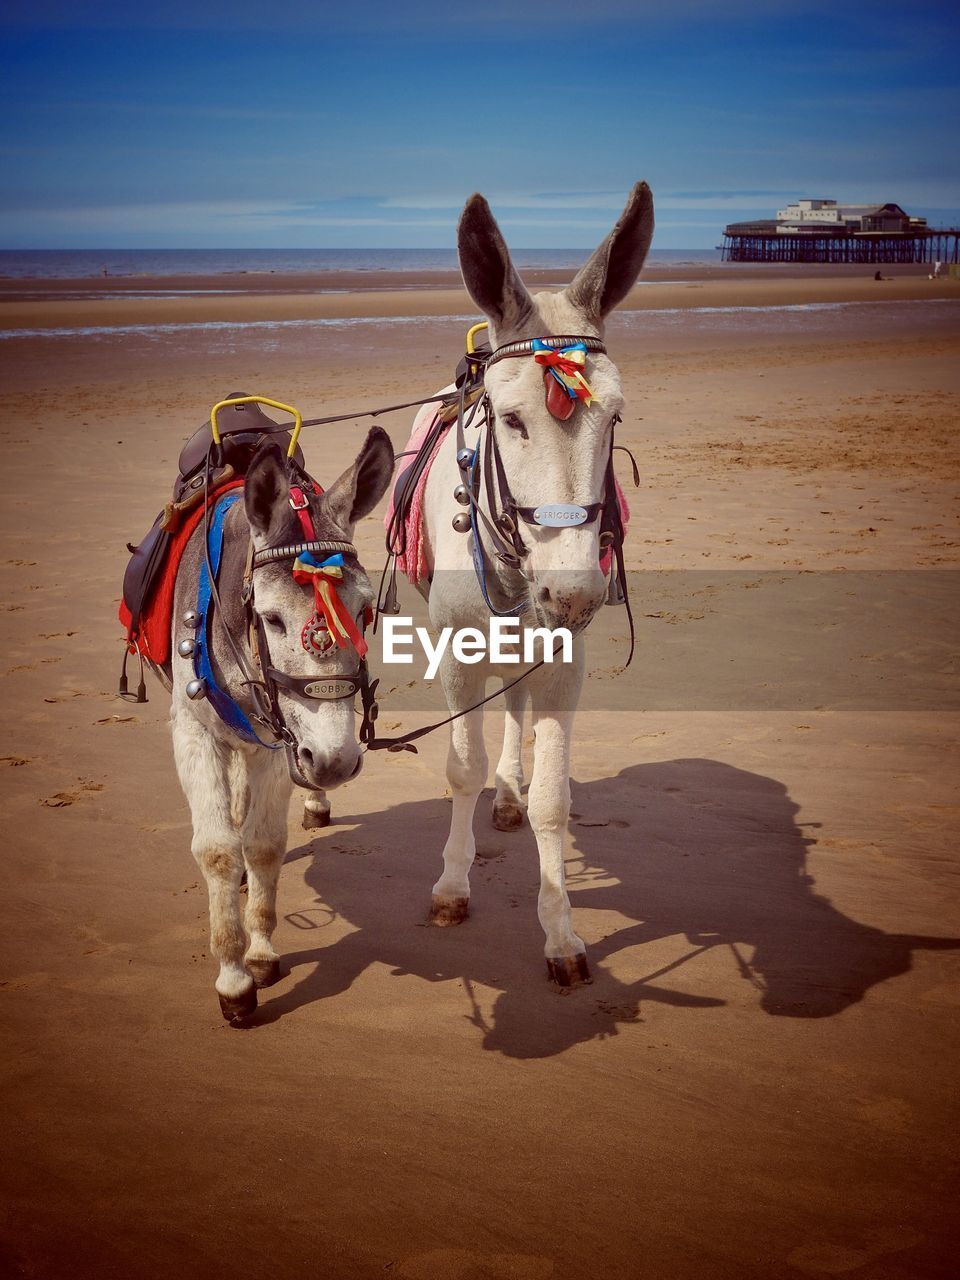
{"points": [[691, 849]]}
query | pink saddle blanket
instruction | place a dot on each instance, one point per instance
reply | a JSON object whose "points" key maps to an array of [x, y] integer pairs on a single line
{"points": [[415, 561]]}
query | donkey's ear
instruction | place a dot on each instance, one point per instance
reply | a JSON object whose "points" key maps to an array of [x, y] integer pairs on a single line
{"points": [[363, 484], [266, 490], [490, 276], [610, 274]]}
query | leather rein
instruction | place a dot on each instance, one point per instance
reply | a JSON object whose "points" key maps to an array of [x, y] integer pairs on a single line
{"points": [[485, 483], [485, 470]]}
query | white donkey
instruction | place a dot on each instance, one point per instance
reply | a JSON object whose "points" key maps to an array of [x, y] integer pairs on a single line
{"points": [[542, 451], [238, 791]]}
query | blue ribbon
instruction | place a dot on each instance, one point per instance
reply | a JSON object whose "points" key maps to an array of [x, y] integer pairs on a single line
{"points": [[226, 708], [331, 562]]}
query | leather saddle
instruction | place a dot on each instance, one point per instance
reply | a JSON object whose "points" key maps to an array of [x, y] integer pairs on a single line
{"points": [[243, 429]]}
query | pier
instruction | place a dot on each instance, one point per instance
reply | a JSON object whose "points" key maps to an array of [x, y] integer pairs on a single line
{"points": [[825, 232]]}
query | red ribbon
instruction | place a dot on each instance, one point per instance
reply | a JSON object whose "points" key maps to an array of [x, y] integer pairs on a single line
{"points": [[326, 598]]}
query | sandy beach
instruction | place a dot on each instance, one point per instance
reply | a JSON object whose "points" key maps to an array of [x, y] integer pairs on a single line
{"points": [[760, 1082], [52, 304]]}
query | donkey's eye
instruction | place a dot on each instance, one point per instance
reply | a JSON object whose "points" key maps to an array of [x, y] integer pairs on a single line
{"points": [[275, 621], [515, 423]]}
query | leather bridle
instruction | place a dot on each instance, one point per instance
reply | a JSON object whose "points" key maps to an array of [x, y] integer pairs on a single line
{"points": [[485, 483], [264, 681]]}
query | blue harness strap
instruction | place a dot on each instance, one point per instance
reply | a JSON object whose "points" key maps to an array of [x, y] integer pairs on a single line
{"points": [[229, 712]]}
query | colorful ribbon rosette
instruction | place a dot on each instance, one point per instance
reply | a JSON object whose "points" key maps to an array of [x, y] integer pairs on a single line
{"points": [[566, 364], [324, 575]]}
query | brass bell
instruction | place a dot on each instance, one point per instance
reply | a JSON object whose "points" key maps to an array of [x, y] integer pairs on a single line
{"points": [[196, 689], [464, 458], [461, 522], [186, 648], [191, 618], [462, 495]]}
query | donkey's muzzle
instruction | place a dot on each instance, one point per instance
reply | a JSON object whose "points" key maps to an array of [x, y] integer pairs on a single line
{"points": [[322, 772], [567, 599]]}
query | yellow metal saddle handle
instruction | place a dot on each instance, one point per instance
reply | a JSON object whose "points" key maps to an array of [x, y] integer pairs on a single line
{"points": [[274, 404], [472, 335]]}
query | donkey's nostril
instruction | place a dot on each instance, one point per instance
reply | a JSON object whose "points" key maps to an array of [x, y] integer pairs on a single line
{"points": [[543, 595], [306, 756]]}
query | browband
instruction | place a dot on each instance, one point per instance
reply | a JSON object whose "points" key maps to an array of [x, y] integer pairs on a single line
{"points": [[291, 550], [525, 347]]}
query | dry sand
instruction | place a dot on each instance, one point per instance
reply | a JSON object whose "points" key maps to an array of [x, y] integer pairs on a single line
{"points": [[761, 1080]]}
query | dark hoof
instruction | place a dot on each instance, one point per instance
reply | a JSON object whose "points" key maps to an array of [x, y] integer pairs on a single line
{"points": [[312, 820], [265, 972], [236, 1009], [569, 971], [445, 912], [507, 816]]}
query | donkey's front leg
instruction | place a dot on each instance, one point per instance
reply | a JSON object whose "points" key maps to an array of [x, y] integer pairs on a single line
{"points": [[508, 802], [548, 808], [264, 836], [203, 766], [467, 775]]}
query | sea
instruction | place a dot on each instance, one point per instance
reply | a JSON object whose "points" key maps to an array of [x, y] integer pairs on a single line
{"points": [[336, 336], [77, 264]]}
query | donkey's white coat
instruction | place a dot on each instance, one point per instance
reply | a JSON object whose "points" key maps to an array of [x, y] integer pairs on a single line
{"points": [[239, 792], [556, 462]]}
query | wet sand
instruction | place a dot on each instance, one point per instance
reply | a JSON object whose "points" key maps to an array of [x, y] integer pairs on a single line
{"points": [[45, 304], [759, 1083]]}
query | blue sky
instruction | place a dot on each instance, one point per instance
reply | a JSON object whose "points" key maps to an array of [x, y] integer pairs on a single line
{"points": [[326, 125]]}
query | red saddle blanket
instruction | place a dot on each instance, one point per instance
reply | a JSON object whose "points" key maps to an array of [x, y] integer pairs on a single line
{"points": [[153, 638]]}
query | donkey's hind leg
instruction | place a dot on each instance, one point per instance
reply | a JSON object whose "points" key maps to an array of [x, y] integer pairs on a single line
{"points": [[264, 833], [203, 766], [316, 811], [508, 802], [467, 775]]}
